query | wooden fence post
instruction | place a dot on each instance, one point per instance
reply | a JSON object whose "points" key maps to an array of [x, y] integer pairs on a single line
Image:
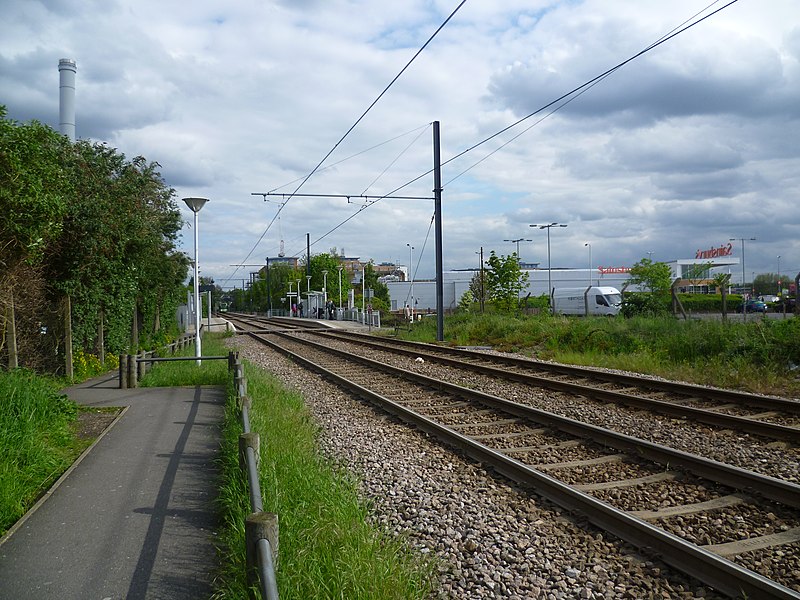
{"points": [[261, 525], [123, 371]]}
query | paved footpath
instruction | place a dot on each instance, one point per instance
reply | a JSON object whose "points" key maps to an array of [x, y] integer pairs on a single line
{"points": [[135, 518]]}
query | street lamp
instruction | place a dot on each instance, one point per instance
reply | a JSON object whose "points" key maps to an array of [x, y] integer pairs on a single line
{"points": [[298, 298], [411, 276], [340, 287], [195, 204], [590, 262], [779, 274], [743, 240], [325, 287], [549, 271], [517, 241]]}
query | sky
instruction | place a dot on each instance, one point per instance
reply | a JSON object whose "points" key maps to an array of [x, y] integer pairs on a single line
{"points": [[684, 148]]}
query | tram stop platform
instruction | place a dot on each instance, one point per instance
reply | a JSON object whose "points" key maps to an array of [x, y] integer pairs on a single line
{"points": [[133, 517]]}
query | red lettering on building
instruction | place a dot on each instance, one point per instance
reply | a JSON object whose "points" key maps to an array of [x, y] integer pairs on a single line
{"points": [[724, 250], [612, 270]]}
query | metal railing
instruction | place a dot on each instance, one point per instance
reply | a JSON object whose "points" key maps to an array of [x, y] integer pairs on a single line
{"points": [[261, 528]]}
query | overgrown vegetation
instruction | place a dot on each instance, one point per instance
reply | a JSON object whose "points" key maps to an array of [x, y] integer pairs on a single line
{"points": [[327, 547], [762, 355], [36, 441], [80, 221]]}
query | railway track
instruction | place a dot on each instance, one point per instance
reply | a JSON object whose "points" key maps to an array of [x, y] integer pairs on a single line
{"points": [[674, 504]]}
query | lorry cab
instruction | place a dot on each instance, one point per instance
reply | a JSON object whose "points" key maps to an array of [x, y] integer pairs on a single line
{"points": [[593, 300]]}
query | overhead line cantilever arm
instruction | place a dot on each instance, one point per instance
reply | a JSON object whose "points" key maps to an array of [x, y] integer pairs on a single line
{"points": [[348, 196]]}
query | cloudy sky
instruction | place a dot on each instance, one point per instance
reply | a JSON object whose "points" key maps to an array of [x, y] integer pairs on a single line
{"points": [[692, 144]]}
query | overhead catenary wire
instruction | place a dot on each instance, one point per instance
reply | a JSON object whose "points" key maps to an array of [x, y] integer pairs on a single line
{"points": [[564, 99], [354, 125], [579, 90]]}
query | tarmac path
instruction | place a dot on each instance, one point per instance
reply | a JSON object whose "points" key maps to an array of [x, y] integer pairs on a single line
{"points": [[135, 518]]}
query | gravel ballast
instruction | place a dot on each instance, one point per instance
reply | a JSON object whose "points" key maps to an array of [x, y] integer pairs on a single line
{"points": [[490, 539]]}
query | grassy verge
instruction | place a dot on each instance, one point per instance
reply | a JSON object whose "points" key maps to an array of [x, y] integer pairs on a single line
{"points": [[37, 440], [327, 549], [759, 356]]}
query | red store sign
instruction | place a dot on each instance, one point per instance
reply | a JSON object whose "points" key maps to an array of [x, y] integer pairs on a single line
{"points": [[612, 270], [725, 250]]}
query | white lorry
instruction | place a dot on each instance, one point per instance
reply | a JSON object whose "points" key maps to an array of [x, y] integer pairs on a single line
{"points": [[594, 300]]}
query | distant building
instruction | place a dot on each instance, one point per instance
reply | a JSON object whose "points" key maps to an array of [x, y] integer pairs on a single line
{"points": [[695, 275]]}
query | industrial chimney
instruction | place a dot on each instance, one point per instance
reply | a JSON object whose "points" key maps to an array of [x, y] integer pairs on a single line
{"points": [[66, 107]]}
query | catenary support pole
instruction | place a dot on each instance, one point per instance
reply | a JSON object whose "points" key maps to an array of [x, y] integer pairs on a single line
{"points": [[437, 214]]}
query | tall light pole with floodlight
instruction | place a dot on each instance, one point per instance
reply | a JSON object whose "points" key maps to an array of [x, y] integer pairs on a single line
{"points": [[589, 245], [549, 269], [743, 240], [195, 204], [517, 241]]}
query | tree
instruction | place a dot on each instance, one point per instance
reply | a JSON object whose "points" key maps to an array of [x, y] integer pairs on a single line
{"points": [[722, 281], [765, 283], [477, 288], [505, 280], [83, 221], [655, 277]]}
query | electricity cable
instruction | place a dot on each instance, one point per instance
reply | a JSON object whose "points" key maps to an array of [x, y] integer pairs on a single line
{"points": [[352, 127]]}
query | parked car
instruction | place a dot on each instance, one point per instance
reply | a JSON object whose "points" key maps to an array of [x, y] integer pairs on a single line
{"points": [[754, 305]]}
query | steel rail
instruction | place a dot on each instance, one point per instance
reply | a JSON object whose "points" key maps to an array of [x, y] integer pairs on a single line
{"points": [[707, 567], [778, 490], [688, 389], [710, 417]]}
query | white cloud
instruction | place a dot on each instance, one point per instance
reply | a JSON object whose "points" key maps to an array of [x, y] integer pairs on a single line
{"points": [[685, 147]]}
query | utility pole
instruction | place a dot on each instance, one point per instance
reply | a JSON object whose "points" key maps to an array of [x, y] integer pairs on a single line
{"points": [[437, 212], [482, 291]]}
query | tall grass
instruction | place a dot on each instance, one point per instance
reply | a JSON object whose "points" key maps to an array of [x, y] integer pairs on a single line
{"points": [[36, 441], [327, 548], [761, 355]]}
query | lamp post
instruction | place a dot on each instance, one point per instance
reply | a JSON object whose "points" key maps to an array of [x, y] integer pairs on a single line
{"points": [[517, 241], [549, 270], [363, 296], [411, 276], [587, 244], [779, 274], [289, 298], [325, 287], [195, 204], [340, 287], [298, 297], [743, 240]]}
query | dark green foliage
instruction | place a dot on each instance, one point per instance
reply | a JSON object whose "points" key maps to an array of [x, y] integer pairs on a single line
{"points": [[642, 304], [81, 220], [504, 281]]}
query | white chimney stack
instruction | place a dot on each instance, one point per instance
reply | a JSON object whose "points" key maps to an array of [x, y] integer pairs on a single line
{"points": [[66, 108]]}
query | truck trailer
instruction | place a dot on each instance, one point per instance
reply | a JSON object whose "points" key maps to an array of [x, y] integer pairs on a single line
{"points": [[594, 300]]}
